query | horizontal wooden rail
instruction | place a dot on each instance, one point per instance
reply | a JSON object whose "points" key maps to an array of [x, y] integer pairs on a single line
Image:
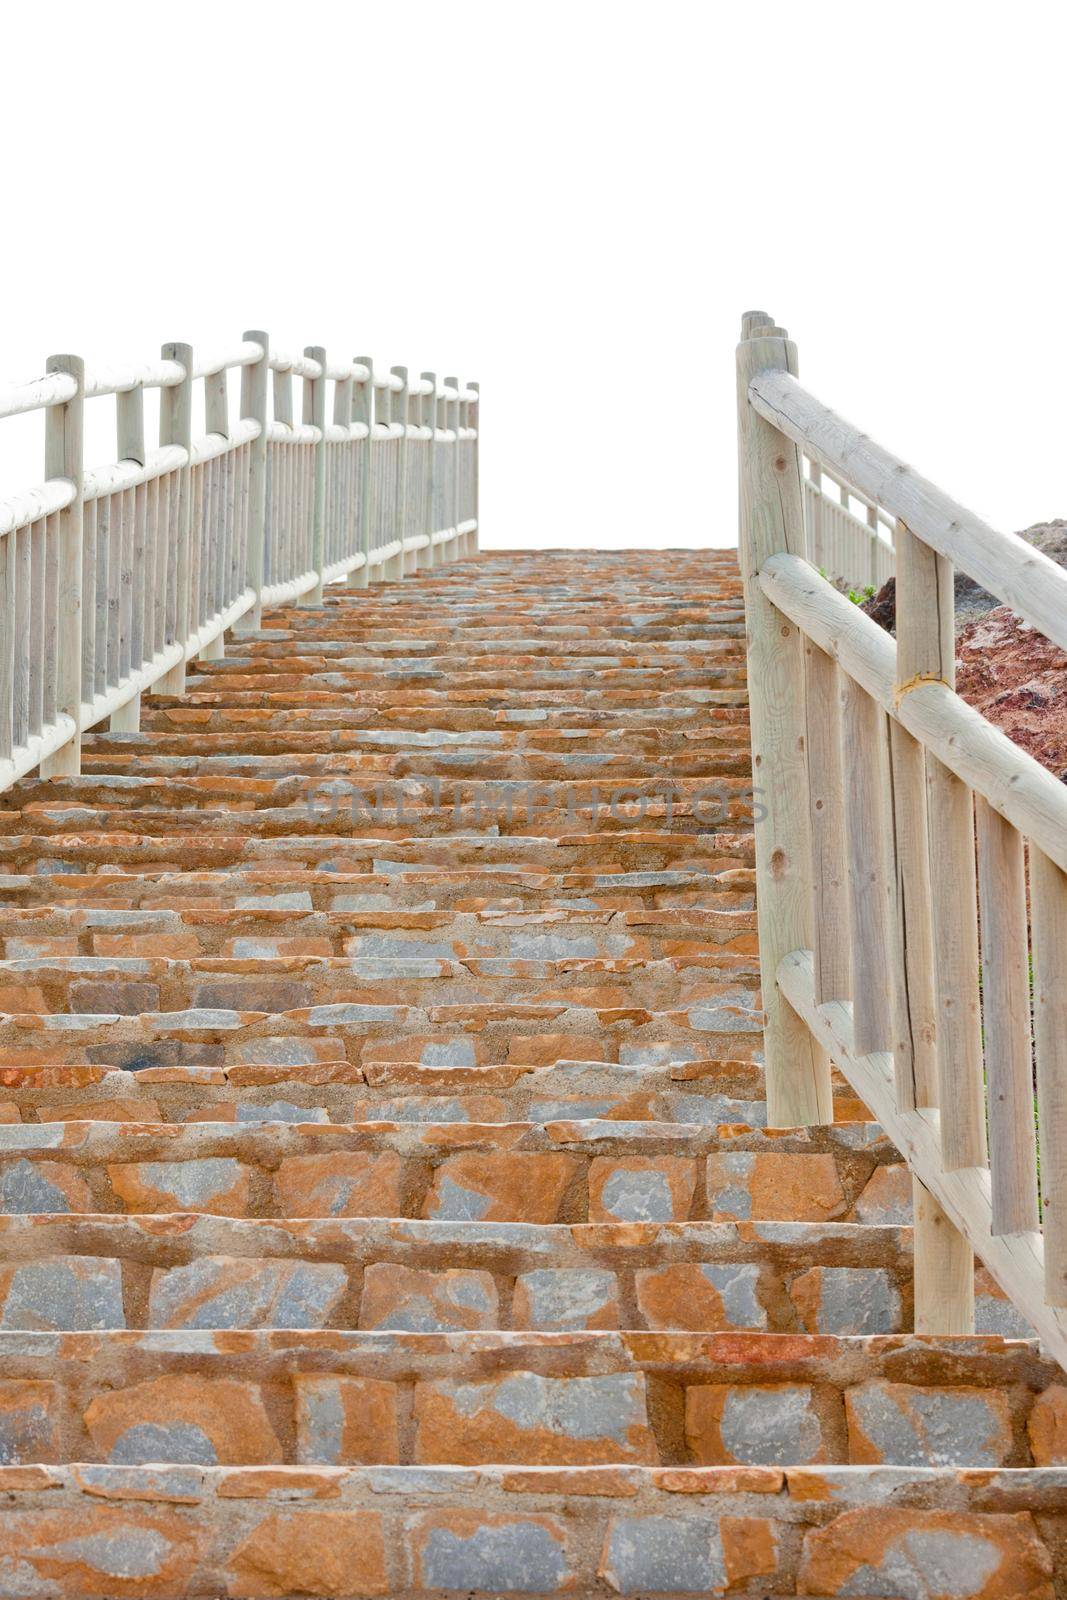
{"points": [[1019, 575], [113, 578]]}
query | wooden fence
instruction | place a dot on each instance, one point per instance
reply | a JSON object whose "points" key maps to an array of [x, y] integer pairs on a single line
{"points": [[112, 578], [912, 865]]}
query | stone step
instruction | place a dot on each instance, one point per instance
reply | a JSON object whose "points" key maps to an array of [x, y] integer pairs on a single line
{"points": [[716, 729], [41, 807], [505, 676], [483, 1532], [281, 894], [389, 851], [690, 806], [367, 1398], [414, 971], [61, 1273], [116, 774], [375, 648], [500, 926], [555, 1171]]}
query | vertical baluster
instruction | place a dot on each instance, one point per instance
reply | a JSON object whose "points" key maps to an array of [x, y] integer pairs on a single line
{"points": [[219, 531], [815, 500], [154, 580], [52, 630], [872, 547], [1006, 1012], [1048, 915], [314, 412], [8, 587], [363, 411], [63, 459], [864, 740], [20, 551], [454, 513], [827, 807], [129, 410], [254, 405], [924, 636], [944, 1269], [116, 533], [37, 604], [398, 416], [471, 546], [427, 412], [176, 428]]}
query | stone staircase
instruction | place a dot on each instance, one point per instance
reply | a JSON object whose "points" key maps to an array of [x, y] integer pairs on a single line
{"points": [[389, 1204]]}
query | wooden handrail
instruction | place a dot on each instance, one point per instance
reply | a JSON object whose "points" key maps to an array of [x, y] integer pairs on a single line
{"points": [[1018, 574]]}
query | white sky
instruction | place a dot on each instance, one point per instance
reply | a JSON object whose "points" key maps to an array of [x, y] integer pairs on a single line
{"points": [[572, 203]]}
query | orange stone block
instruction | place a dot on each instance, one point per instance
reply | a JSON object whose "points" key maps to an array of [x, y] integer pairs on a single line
{"points": [[530, 1420], [211, 1421], [480, 1186], [749, 1186], [218, 1186], [478, 1550], [1047, 1427], [29, 1421], [641, 1188], [976, 1556], [342, 1421], [105, 1552], [697, 1297], [339, 1554], [43, 1186], [343, 1183], [415, 1300], [768, 1424], [749, 1547], [106, 1111]]}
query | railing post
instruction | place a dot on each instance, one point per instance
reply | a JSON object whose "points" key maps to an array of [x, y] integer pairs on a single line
{"points": [[362, 410], [176, 427], [384, 407], [217, 420], [772, 519], [254, 404], [129, 411], [314, 411], [936, 1043], [474, 417], [452, 423], [398, 413], [427, 412], [944, 1269], [63, 458]]}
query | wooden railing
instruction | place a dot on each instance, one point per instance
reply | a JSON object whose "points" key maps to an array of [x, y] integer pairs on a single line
{"points": [[112, 578], [844, 545], [911, 869]]}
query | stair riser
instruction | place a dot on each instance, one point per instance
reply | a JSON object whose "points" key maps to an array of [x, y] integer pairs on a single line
{"points": [[564, 1172], [414, 1399], [164, 1084], [365, 1533]]}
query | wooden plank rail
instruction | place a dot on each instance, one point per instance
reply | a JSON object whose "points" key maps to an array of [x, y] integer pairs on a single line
{"points": [[1022, 577], [917, 984], [113, 578]]}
